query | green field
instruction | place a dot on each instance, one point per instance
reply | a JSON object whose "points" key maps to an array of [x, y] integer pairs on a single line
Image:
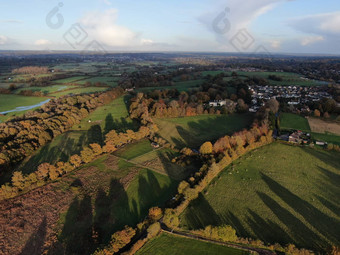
{"points": [[166, 244], [180, 86], [111, 116], [193, 131], [134, 150], [83, 134], [289, 79], [116, 194], [70, 79], [11, 102], [78, 91], [329, 138], [46, 90], [294, 121], [278, 193], [111, 81]]}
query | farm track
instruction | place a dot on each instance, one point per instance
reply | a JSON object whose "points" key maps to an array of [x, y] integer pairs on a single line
{"points": [[230, 245]]}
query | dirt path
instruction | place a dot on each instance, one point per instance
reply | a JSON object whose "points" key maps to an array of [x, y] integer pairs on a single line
{"points": [[231, 245]]}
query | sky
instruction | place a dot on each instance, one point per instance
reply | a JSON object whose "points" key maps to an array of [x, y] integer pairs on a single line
{"points": [[275, 26]]}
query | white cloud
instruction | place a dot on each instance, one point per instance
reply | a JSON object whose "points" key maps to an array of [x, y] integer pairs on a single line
{"points": [[42, 42], [238, 15], [275, 44], [3, 40], [103, 27], [146, 42], [312, 39], [326, 24]]}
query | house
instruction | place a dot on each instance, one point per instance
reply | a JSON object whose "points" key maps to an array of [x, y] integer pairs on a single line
{"points": [[217, 103], [155, 145], [294, 138], [320, 143]]}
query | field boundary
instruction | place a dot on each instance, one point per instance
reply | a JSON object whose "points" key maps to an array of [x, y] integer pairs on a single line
{"points": [[200, 238]]}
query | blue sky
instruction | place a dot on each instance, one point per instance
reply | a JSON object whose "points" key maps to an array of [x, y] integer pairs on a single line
{"points": [[289, 26]]}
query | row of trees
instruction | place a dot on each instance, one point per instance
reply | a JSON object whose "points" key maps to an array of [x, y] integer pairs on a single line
{"points": [[144, 108], [47, 172], [31, 70], [21, 136]]}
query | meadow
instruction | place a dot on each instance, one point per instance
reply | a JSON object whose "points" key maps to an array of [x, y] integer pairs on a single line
{"points": [[278, 194], [110, 81], [72, 79], [288, 79], [10, 102], [83, 134], [78, 90], [193, 131], [294, 122], [179, 85], [45, 90], [166, 244]]}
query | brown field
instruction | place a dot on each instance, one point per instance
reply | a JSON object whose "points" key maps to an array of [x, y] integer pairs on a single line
{"points": [[321, 126], [29, 224]]}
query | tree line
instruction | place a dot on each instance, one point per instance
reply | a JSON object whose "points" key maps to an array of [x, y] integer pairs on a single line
{"points": [[21, 136], [46, 172]]}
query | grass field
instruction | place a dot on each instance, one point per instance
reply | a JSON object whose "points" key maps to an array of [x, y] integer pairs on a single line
{"points": [[111, 81], [83, 134], [289, 79], [46, 90], [180, 86], [193, 131], [328, 137], [70, 79], [294, 121], [166, 244], [123, 200], [78, 91], [111, 116], [134, 150], [11, 102], [278, 193]]}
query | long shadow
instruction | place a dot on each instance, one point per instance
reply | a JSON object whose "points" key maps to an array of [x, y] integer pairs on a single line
{"points": [[300, 233], [231, 219], [267, 231], [328, 157], [331, 181], [332, 207], [327, 226], [200, 214], [35, 243], [109, 123], [76, 236], [95, 135]]}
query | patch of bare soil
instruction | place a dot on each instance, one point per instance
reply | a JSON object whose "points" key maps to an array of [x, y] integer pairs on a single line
{"points": [[321, 126], [29, 223]]}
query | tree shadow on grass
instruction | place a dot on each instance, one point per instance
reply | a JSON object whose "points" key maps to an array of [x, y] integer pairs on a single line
{"points": [[231, 219], [35, 243], [327, 226], [76, 236], [95, 135], [300, 233], [331, 206], [200, 214], [267, 231]]}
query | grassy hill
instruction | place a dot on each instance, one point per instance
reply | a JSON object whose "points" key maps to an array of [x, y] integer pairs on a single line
{"points": [[193, 131], [278, 193], [294, 121], [166, 244]]}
